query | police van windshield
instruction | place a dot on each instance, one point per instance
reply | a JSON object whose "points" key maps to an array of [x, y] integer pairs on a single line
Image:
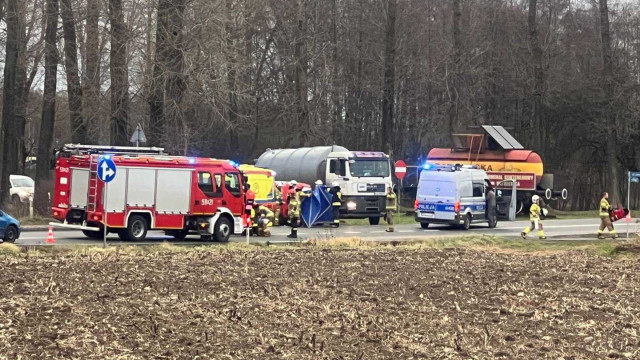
{"points": [[445, 189], [369, 168]]}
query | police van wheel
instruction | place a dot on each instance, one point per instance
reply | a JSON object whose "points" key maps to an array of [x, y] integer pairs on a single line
{"points": [[137, 228], [374, 220], [467, 222], [424, 225], [222, 230]]}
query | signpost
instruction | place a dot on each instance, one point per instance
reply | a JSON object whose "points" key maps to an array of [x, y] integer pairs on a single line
{"points": [[138, 136], [106, 173], [401, 171]]}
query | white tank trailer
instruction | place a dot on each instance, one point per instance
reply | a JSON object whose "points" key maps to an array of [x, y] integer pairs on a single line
{"points": [[363, 176]]}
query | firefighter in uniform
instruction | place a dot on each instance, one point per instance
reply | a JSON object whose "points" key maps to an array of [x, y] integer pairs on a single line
{"points": [[605, 217], [293, 209], [392, 207], [264, 220], [336, 202], [534, 216], [249, 202]]}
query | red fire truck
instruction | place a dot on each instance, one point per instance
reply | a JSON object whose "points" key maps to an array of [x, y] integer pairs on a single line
{"points": [[180, 195]]}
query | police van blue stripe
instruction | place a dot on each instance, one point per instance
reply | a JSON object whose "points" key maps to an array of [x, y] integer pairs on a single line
{"points": [[448, 207]]}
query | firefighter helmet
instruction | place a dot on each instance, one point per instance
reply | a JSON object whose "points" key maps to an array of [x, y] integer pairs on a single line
{"points": [[535, 198], [319, 182]]}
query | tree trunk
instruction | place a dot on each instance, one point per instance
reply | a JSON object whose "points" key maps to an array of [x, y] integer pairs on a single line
{"points": [[119, 76], [389, 79], [301, 73], [455, 68], [9, 123], [91, 83], [43, 165], [538, 76], [613, 180], [74, 91], [156, 94]]}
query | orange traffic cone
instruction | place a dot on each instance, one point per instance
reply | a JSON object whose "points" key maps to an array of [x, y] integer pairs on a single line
{"points": [[50, 238]]}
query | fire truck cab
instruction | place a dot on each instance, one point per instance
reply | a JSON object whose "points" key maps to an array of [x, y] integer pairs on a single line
{"points": [[150, 191]]}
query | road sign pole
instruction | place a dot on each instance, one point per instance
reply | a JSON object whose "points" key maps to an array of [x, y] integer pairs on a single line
{"points": [[106, 196]]}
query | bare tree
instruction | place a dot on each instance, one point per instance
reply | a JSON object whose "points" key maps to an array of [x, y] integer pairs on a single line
{"points": [[43, 166], [389, 77], [538, 75], [91, 81], [74, 90], [9, 122], [301, 68], [613, 178], [119, 76]]}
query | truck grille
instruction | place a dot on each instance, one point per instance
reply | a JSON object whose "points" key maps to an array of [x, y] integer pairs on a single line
{"points": [[376, 188]]}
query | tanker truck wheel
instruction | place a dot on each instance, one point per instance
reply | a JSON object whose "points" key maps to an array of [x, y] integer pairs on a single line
{"points": [[374, 220]]}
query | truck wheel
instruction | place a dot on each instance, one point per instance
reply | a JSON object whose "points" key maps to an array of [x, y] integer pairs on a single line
{"points": [[93, 234], [374, 220], [222, 230], [467, 222], [137, 228], [11, 234], [424, 225]]}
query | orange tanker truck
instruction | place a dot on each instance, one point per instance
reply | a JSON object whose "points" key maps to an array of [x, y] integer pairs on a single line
{"points": [[504, 159]]}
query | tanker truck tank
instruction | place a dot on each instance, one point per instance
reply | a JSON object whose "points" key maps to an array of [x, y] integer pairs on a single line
{"points": [[363, 176]]}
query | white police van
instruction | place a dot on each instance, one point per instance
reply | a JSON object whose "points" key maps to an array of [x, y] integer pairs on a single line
{"points": [[453, 195]]}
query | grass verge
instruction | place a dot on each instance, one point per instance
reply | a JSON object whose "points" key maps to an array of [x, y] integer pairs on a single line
{"points": [[483, 243]]}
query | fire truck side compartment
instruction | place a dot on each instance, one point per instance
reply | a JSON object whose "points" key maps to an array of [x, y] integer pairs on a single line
{"points": [[117, 193], [79, 188], [173, 194], [144, 183]]}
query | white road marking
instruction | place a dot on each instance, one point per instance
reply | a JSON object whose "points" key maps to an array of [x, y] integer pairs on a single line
{"points": [[353, 232]]}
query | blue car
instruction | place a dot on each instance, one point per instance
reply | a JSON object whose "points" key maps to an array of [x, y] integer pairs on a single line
{"points": [[9, 228]]}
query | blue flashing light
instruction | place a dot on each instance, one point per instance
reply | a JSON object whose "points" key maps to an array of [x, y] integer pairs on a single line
{"points": [[427, 166], [192, 161], [107, 156], [233, 163]]}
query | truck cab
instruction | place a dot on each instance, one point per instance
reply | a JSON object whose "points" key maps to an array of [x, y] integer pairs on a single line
{"points": [[453, 195], [364, 177]]}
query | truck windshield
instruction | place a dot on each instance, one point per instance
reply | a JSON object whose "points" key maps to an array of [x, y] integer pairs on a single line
{"points": [[369, 168], [22, 182]]}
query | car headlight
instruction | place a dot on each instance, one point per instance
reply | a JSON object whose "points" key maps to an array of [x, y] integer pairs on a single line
{"points": [[351, 205]]}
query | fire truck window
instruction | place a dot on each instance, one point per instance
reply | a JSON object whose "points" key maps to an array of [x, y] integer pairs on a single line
{"points": [[205, 183], [232, 183], [218, 178]]}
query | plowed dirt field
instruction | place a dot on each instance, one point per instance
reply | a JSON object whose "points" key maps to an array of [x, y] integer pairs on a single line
{"points": [[311, 303]]}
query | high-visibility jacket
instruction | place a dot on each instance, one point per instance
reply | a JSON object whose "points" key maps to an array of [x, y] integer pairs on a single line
{"points": [[255, 216], [392, 203], [604, 207], [534, 212], [336, 199]]}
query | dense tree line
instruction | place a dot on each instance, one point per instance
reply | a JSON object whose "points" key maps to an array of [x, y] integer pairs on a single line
{"points": [[229, 78]]}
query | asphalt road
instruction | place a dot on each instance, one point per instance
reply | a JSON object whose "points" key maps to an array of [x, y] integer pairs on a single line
{"points": [[578, 229]]}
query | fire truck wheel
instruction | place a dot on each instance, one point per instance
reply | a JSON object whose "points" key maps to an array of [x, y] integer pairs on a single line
{"points": [[222, 230], [137, 228], [93, 234]]}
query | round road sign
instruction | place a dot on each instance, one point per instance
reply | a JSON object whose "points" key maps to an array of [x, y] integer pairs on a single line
{"points": [[401, 169]]}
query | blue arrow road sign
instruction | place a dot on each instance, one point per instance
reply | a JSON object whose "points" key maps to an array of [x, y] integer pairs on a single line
{"points": [[106, 169], [634, 177]]}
